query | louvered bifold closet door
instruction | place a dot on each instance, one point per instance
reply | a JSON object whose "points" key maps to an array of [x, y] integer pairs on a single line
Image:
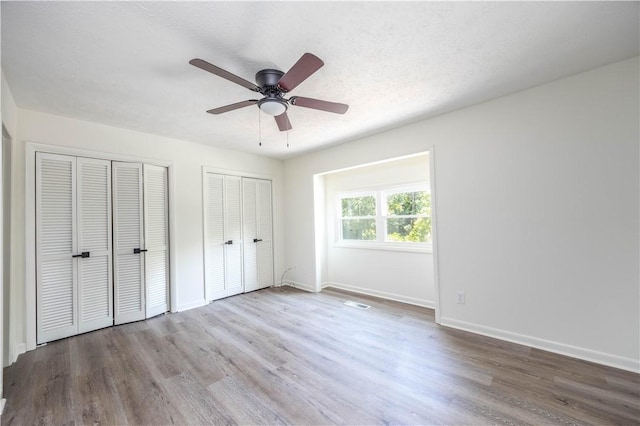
{"points": [[233, 235], [258, 233], [264, 219], [156, 233], [56, 243], [128, 241], [222, 239], [214, 267], [95, 289], [250, 234]]}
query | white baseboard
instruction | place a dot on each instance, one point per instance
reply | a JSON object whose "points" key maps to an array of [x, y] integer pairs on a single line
{"points": [[611, 360], [299, 285], [382, 294], [191, 305], [18, 350]]}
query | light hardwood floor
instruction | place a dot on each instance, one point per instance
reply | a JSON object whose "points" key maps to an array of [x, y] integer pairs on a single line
{"points": [[283, 356]]}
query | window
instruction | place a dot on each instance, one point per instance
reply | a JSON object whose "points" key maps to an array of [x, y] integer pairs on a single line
{"points": [[408, 216], [358, 217], [394, 218]]}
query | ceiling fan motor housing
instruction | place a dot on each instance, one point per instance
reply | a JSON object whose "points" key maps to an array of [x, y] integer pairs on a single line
{"points": [[268, 80]]}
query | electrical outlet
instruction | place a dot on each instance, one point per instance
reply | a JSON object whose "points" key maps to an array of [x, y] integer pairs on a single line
{"points": [[460, 297]]}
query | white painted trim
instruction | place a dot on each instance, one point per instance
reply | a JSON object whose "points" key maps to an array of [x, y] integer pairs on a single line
{"points": [[30, 193], [603, 358], [2, 402], [385, 246], [381, 294], [240, 173], [19, 349], [434, 233], [204, 197], [191, 305], [300, 286], [30, 245], [319, 228], [373, 163], [173, 263], [103, 155], [5, 137]]}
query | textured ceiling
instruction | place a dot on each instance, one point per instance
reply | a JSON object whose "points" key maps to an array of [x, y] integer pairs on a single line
{"points": [[125, 64]]}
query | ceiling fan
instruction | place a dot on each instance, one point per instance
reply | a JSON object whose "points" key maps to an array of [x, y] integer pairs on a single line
{"points": [[273, 84]]}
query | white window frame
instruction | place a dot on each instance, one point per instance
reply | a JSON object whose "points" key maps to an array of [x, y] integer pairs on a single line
{"points": [[341, 197], [380, 243]]}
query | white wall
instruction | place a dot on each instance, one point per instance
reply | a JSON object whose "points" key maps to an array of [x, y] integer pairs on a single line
{"points": [[9, 109], [188, 159], [399, 275], [9, 331], [537, 204]]}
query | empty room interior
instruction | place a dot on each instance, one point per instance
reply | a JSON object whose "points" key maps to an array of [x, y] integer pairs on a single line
{"points": [[320, 212]]}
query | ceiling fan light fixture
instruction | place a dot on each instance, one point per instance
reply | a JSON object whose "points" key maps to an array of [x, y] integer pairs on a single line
{"points": [[274, 107]]}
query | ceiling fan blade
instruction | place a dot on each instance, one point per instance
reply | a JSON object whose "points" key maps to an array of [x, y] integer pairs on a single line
{"points": [[300, 71], [231, 107], [318, 104], [224, 74], [283, 122]]}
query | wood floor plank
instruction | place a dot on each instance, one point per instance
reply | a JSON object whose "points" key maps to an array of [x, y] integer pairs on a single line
{"points": [[284, 356]]}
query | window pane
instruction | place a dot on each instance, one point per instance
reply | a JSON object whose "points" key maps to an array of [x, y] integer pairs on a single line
{"points": [[416, 230], [359, 229], [409, 203], [359, 206]]}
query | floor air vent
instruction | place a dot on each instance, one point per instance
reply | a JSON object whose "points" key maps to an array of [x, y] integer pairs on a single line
{"points": [[357, 305]]}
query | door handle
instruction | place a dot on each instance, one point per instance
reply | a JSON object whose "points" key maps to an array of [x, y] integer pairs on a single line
{"points": [[255, 240], [229, 242], [137, 250], [82, 255]]}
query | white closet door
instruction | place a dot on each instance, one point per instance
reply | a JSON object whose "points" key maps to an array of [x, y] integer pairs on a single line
{"points": [[95, 289], [264, 219], [258, 239], [233, 235], [214, 268], [156, 233], [128, 241], [56, 243], [250, 234], [223, 231]]}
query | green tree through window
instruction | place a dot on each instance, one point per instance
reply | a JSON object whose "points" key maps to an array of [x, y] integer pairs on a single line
{"points": [[359, 218], [408, 217]]}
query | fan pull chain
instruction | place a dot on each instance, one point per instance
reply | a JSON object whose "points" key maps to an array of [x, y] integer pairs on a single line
{"points": [[287, 139], [259, 128]]}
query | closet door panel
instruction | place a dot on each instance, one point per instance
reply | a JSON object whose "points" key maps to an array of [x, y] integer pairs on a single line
{"points": [[56, 243], [128, 238], [156, 223], [264, 219], [250, 234], [233, 233], [157, 274], [95, 289], [214, 235], [258, 233], [57, 311]]}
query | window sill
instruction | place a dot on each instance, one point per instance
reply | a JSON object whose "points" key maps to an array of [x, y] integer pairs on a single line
{"points": [[426, 248]]}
